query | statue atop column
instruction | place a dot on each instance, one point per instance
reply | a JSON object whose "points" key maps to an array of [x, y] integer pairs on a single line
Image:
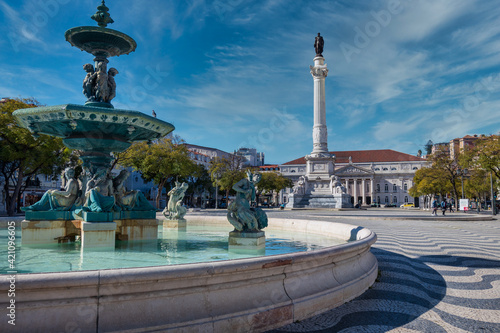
{"points": [[318, 45]]}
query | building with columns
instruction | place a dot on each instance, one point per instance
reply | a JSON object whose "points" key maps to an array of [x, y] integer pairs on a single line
{"points": [[369, 176]]}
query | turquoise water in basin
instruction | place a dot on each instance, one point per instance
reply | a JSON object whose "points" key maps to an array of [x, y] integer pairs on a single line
{"points": [[197, 244]]}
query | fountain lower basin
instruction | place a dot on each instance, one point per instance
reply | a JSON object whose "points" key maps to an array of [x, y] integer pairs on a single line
{"points": [[253, 294]]}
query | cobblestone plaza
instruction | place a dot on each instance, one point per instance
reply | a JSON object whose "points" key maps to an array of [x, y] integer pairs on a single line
{"points": [[436, 274]]}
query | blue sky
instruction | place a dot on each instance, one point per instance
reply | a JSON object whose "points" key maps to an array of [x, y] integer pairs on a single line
{"points": [[231, 73]]}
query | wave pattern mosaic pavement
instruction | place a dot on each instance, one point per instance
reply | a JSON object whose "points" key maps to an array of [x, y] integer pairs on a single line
{"points": [[434, 276]]}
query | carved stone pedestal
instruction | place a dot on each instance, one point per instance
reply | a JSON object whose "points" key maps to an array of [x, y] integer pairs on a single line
{"points": [[98, 235], [137, 229], [42, 232], [247, 242], [175, 224]]}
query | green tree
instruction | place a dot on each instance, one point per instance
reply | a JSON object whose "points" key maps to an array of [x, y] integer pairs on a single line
{"points": [[272, 182], [23, 156], [199, 182], [160, 161], [225, 172], [483, 160], [449, 168], [478, 184], [428, 181]]}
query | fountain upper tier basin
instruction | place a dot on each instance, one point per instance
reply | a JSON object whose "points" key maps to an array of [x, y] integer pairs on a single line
{"points": [[93, 128], [100, 41]]}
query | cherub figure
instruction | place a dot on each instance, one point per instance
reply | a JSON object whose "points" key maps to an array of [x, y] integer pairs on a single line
{"points": [[101, 83], [88, 82], [111, 84]]}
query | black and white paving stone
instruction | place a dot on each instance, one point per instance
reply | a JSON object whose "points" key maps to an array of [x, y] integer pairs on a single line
{"points": [[435, 274]]}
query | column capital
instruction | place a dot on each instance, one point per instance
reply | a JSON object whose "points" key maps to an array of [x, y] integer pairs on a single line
{"points": [[319, 72]]}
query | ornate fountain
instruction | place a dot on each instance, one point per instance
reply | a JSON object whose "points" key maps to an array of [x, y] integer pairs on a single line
{"points": [[96, 130], [253, 294]]}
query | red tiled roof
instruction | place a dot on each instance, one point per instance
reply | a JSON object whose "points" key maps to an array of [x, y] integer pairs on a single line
{"points": [[366, 156]]}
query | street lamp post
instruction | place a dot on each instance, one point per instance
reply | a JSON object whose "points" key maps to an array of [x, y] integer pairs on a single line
{"points": [[462, 173], [217, 176], [493, 201], [216, 194]]}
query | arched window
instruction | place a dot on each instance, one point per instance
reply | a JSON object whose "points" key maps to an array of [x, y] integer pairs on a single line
{"points": [[378, 187], [385, 169], [378, 199], [406, 199], [377, 169], [405, 187], [395, 199], [387, 187], [386, 199], [415, 168], [394, 188]]}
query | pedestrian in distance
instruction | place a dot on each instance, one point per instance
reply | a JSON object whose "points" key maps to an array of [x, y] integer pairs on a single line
{"points": [[434, 207], [443, 207]]}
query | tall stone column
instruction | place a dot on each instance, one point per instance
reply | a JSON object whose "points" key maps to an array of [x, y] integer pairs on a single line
{"points": [[320, 163], [320, 134]]}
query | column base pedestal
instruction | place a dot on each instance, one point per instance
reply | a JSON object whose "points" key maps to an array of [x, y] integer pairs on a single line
{"points": [[247, 242]]}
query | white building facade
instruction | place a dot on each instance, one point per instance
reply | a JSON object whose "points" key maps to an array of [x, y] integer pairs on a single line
{"points": [[369, 176]]}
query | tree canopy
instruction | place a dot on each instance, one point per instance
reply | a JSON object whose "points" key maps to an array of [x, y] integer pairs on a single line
{"points": [[470, 165], [22, 155], [160, 161], [273, 182], [225, 172]]}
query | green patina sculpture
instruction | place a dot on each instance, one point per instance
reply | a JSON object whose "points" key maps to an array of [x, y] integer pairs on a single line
{"points": [[129, 200], [58, 200], [174, 209], [241, 214]]}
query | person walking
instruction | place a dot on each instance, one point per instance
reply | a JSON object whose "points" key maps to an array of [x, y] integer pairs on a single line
{"points": [[443, 207], [434, 207]]}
